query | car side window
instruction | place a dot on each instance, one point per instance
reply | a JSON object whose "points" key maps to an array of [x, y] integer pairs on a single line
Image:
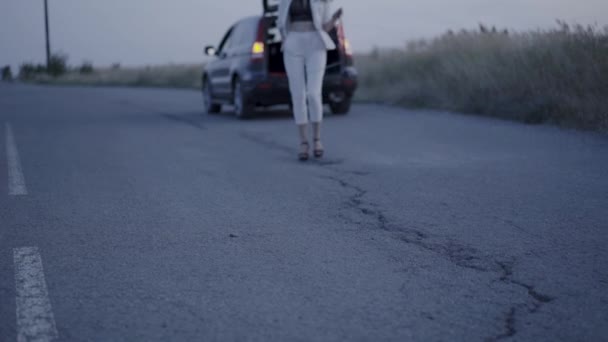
{"points": [[240, 34], [244, 33], [226, 41]]}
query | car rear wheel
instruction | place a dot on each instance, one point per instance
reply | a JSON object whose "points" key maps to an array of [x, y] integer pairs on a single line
{"points": [[210, 107], [340, 107], [242, 109]]}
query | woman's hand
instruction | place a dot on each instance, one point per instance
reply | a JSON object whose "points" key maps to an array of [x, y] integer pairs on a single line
{"points": [[338, 14], [333, 21]]}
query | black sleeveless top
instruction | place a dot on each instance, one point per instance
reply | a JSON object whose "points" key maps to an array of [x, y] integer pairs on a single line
{"points": [[300, 10]]}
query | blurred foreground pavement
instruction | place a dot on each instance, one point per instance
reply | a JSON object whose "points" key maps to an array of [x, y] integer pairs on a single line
{"points": [[143, 219]]}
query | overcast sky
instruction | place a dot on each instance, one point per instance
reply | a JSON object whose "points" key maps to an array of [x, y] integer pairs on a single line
{"points": [[142, 32]]}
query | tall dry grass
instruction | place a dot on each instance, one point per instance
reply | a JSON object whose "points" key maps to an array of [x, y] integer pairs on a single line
{"points": [[558, 76]]}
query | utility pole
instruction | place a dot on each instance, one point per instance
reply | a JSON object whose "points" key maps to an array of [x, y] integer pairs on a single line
{"points": [[46, 27]]}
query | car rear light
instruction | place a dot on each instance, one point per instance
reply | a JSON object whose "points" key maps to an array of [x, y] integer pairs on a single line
{"points": [[347, 49], [348, 82], [344, 43], [258, 48]]}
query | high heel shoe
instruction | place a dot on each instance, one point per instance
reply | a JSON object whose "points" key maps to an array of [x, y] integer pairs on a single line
{"points": [[318, 152], [303, 156]]}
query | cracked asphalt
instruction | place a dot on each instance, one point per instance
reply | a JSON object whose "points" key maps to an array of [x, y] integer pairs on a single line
{"points": [[155, 222]]}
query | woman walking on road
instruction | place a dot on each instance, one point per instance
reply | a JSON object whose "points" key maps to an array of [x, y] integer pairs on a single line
{"points": [[304, 26]]}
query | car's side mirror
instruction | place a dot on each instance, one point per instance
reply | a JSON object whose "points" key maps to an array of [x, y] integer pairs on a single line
{"points": [[210, 51]]}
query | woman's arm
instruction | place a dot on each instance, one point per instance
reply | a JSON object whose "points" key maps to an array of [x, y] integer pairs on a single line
{"points": [[330, 22], [281, 20]]}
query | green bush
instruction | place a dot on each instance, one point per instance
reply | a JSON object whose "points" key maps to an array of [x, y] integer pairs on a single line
{"points": [[86, 68], [40, 69], [58, 65], [554, 76], [27, 71]]}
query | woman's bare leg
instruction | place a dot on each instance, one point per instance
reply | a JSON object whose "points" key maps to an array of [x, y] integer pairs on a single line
{"points": [[316, 129], [303, 130]]}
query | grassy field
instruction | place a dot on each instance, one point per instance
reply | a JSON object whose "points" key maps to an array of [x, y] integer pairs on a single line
{"points": [[166, 76], [558, 76]]}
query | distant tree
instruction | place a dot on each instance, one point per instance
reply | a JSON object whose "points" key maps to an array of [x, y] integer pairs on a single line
{"points": [[116, 66], [7, 74]]}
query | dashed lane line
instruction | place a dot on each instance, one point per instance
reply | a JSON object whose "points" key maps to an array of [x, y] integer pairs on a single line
{"points": [[35, 321], [16, 181]]}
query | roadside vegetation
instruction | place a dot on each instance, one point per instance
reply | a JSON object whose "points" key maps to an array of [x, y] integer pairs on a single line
{"points": [[557, 76], [7, 74], [166, 76], [61, 73], [34, 72]]}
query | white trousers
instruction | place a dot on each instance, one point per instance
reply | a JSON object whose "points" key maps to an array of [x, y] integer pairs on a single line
{"points": [[305, 59]]}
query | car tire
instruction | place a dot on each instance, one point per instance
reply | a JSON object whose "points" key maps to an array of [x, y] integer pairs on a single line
{"points": [[210, 107], [242, 109], [340, 108]]}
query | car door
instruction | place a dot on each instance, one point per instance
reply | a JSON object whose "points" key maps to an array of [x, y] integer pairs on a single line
{"points": [[219, 69]]}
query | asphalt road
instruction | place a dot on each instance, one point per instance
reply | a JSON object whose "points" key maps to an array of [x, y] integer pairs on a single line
{"points": [[128, 215]]}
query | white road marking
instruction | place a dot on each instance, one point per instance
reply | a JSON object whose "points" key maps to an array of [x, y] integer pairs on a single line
{"points": [[35, 321], [16, 181]]}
